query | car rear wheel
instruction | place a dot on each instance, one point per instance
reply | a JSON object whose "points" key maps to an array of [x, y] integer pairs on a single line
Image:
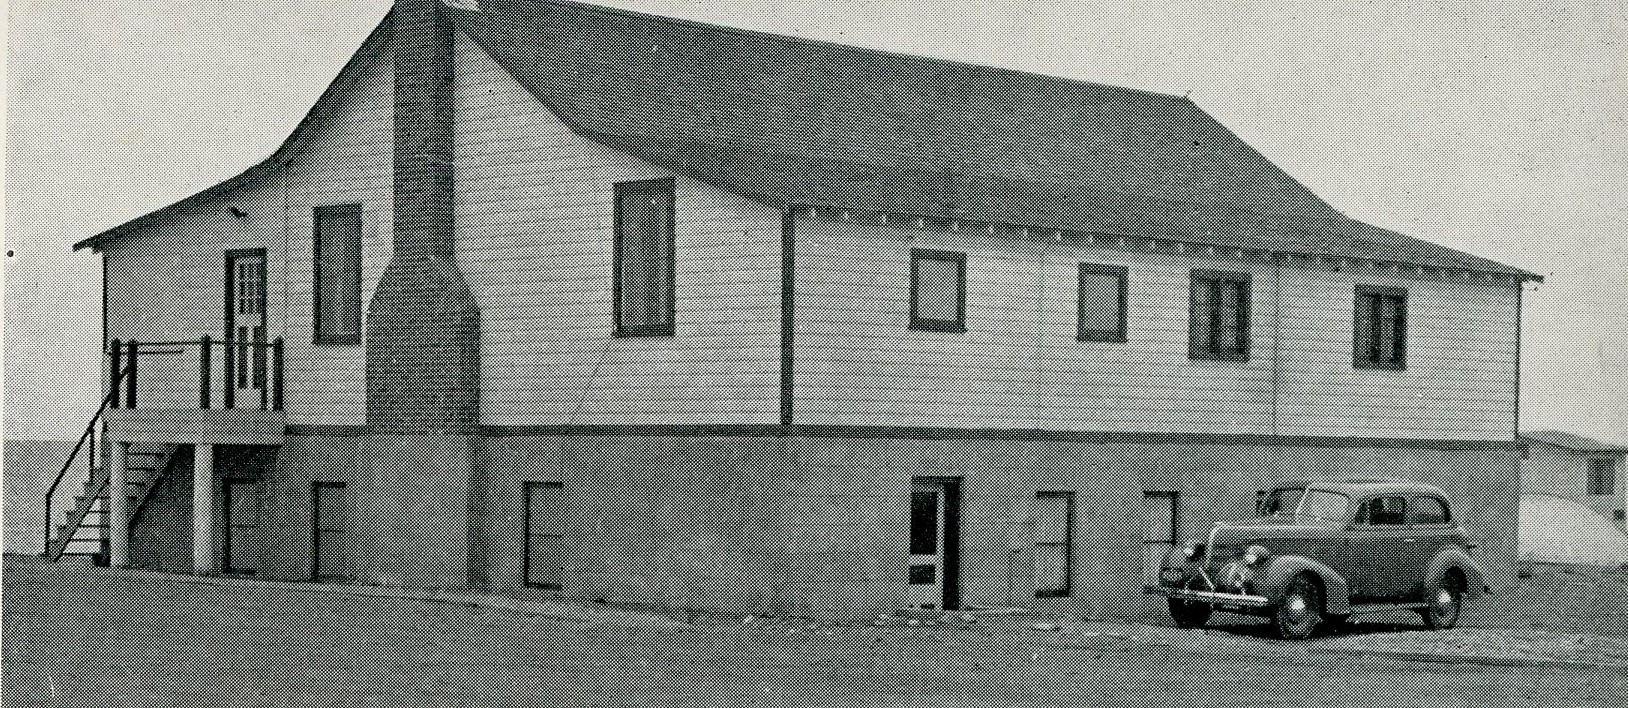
{"points": [[1300, 608], [1446, 603], [1189, 615]]}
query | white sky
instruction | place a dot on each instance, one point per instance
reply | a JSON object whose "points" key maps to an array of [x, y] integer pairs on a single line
{"points": [[1500, 128]]}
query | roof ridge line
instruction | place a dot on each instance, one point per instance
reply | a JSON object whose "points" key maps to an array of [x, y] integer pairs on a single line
{"points": [[618, 11]]}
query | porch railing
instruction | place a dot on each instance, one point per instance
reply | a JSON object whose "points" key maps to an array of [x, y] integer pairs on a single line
{"points": [[204, 373]]}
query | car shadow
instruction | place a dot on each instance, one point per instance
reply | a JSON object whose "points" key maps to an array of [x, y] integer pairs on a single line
{"points": [[1260, 628]]}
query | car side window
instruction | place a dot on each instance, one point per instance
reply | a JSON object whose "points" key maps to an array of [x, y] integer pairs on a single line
{"points": [[1428, 511], [1383, 511]]}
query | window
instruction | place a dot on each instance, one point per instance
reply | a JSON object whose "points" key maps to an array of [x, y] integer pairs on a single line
{"points": [[545, 542], [337, 266], [1428, 510], [644, 258], [1102, 303], [1383, 511], [1381, 328], [1602, 477], [1053, 543], [1218, 327], [938, 291]]}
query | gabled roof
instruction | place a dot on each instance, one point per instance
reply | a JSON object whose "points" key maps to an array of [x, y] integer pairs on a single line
{"points": [[797, 122], [1572, 442], [794, 121]]}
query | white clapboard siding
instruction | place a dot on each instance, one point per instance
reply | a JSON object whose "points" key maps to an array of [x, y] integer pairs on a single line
{"points": [[535, 241], [1018, 365], [166, 280]]}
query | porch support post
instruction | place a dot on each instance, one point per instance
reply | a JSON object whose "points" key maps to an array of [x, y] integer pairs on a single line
{"points": [[118, 507], [203, 509]]}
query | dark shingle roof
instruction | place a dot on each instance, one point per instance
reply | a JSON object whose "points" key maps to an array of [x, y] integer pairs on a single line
{"points": [[1572, 442], [794, 121]]}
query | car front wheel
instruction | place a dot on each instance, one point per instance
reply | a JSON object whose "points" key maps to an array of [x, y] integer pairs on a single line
{"points": [[1300, 608], [1189, 615], [1446, 603]]}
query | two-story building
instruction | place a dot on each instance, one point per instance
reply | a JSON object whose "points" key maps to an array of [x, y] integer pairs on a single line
{"points": [[627, 307]]}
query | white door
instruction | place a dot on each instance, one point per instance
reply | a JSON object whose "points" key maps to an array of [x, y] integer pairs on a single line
{"points": [[247, 328], [927, 552]]}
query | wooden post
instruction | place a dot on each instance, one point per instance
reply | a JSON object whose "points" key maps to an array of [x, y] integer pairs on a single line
{"points": [[115, 353], [203, 509], [228, 391], [130, 378], [118, 512], [277, 374], [203, 372]]}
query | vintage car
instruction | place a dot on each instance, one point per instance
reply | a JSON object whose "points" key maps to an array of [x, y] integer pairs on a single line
{"points": [[1323, 551]]}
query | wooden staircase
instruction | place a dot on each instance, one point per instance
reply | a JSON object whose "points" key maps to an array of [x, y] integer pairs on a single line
{"points": [[84, 532]]}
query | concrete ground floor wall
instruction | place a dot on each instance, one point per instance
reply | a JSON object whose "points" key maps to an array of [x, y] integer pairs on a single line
{"points": [[788, 522]]}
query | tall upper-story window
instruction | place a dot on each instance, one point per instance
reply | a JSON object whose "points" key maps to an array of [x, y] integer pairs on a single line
{"points": [[938, 291], [1218, 324], [1102, 303], [337, 272], [1380, 330], [644, 258]]}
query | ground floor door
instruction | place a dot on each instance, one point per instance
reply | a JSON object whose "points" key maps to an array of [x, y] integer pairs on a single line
{"points": [[1159, 532], [545, 540], [934, 544], [330, 520], [238, 548]]}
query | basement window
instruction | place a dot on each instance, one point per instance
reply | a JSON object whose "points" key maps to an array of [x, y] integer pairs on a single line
{"points": [[1053, 543], [1380, 328], [938, 291], [1218, 325], [644, 258], [1102, 303], [337, 271]]}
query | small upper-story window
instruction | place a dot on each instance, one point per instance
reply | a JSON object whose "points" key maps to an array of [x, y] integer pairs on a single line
{"points": [[644, 258], [1218, 325], [1102, 303], [938, 291], [337, 271], [1380, 337], [1602, 477]]}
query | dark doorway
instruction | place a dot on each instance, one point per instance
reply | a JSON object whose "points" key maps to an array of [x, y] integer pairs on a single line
{"points": [[242, 502], [935, 544], [545, 542], [330, 519]]}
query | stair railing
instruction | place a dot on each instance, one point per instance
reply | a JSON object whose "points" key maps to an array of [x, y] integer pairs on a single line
{"points": [[86, 438]]}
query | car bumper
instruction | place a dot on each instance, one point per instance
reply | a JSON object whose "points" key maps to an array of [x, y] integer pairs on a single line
{"points": [[1224, 599]]}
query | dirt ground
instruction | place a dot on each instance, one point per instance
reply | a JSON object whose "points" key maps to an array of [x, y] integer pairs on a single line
{"points": [[77, 636]]}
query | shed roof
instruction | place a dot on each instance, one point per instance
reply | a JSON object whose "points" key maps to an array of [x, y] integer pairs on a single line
{"points": [[1572, 442], [793, 121]]}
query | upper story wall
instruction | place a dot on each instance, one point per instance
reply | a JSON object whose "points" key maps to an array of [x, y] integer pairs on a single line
{"points": [[166, 281], [1019, 365], [535, 241]]}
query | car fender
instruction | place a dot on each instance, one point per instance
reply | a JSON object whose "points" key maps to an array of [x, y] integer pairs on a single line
{"points": [[1270, 582], [1454, 557]]}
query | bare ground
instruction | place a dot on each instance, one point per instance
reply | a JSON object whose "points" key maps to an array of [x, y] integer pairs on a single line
{"points": [[75, 636]]}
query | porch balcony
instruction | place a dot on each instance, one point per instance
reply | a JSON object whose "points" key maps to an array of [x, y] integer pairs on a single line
{"points": [[195, 392]]}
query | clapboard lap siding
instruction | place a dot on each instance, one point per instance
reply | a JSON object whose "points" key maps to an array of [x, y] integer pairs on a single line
{"points": [[536, 243], [1019, 365], [166, 280]]}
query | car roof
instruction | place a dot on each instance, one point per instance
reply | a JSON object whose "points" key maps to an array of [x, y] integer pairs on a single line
{"points": [[1366, 486]]}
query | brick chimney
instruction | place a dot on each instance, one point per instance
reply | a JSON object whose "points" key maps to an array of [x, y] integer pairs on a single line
{"points": [[423, 328]]}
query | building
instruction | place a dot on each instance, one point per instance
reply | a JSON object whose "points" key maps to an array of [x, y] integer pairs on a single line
{"points": [[1576, 468], [625, 307]]}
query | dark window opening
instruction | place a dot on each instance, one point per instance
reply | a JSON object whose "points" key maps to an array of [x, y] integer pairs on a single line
{"points": [[1102, 303], [1428, 511], [337, 271], [1383, 511], [644, 259], [1602, 477], [938, 291], [923, 523], [1218, 326], [1054, 543], [1379, 338]]}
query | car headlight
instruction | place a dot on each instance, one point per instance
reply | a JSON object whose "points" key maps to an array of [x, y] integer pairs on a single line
{"points": [[1256, 554], [1193, 550]]}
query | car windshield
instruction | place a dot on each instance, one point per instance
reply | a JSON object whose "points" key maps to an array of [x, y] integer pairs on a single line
{"points": [[1312, 503]]}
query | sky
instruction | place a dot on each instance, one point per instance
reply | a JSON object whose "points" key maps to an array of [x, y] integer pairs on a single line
{"points": [[1498, 128]]}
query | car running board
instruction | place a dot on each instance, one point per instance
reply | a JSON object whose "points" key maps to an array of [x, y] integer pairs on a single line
{"points": [[1370, 609]]}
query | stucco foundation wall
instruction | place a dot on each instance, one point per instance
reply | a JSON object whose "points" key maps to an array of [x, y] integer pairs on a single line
{"points": [[820, 523]]}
